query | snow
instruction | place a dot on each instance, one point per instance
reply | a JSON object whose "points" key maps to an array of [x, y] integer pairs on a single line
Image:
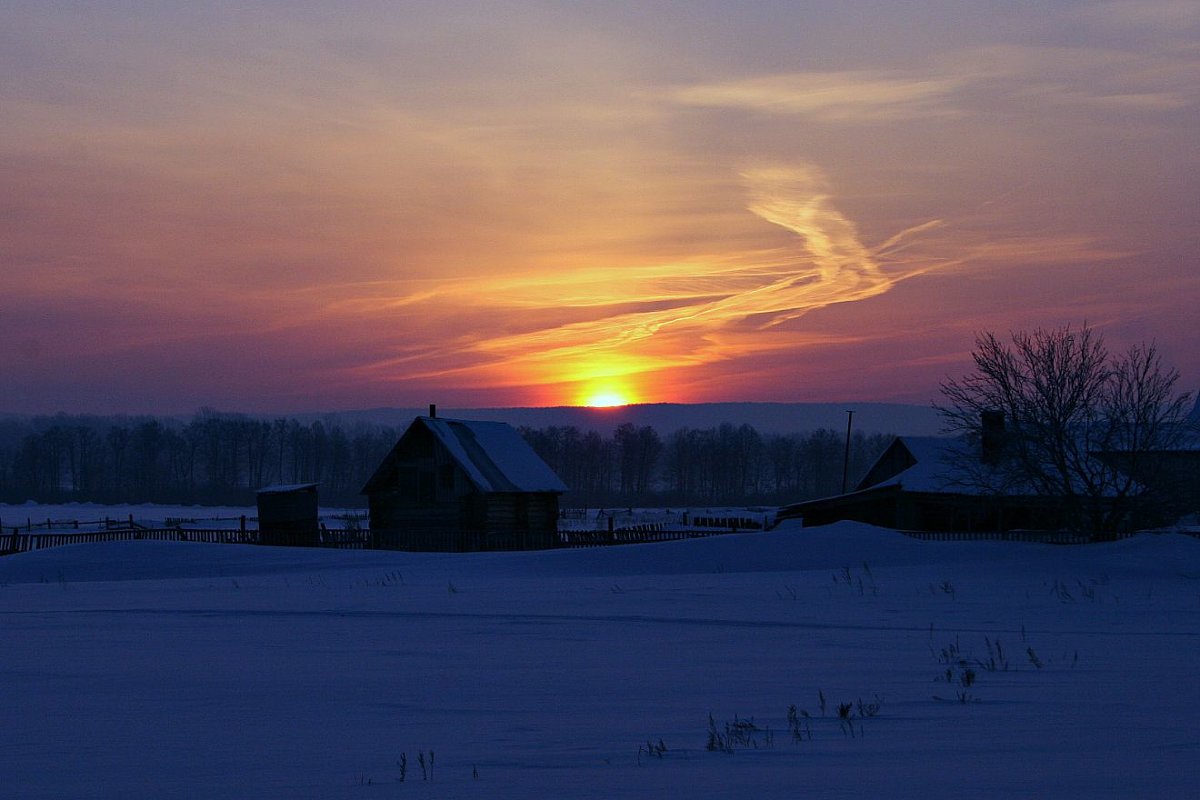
{"points": [[495, 456], [934, 464], [286, 488], [163, 669]]}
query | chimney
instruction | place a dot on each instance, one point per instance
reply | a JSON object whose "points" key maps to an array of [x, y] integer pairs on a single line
{"points": [[992, 436], [433, 411]]}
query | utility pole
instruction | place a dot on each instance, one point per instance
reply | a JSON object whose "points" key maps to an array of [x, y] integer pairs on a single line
{"points": [[846, 457]]}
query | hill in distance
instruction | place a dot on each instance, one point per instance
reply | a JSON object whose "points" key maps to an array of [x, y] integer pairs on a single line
{"points": [[897, 418]]}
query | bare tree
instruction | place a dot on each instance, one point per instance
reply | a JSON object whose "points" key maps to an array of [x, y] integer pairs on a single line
{"points": [[1076, 421]]}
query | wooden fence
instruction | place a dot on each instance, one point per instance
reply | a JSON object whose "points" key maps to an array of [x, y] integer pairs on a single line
{"points": [[20, 542], [1044, 537], [733, 523], [17, 542], [638, 534], [49, 525]]}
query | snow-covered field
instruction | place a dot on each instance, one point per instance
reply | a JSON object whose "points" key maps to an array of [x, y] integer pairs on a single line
{"points": [[158, 669]]}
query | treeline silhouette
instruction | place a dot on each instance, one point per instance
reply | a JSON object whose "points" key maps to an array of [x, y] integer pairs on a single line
{"points": [[215, 458], [220, 458], [725, 465]]}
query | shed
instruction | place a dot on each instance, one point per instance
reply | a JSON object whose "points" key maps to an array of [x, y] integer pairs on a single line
{"points": [[287, 514], [462, 485]]}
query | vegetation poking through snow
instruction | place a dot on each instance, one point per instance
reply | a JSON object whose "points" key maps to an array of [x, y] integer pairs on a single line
{"points": [[862, 584], [652, 749]]}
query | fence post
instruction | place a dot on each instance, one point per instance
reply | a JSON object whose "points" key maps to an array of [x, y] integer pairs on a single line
{"points": [[243, 524]]}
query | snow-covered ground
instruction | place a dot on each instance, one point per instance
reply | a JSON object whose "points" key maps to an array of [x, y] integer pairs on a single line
{"points": [[161, 669]]}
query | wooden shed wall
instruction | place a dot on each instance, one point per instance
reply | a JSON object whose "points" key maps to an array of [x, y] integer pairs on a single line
{"points": [[288, 517]]}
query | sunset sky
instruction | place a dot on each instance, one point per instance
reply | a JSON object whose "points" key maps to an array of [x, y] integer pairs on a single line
{"points": [[317, 206]]}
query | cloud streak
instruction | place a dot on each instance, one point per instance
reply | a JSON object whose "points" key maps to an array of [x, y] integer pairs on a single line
{"points": [[967, 82], [850, 96], [423, 198], [705, 307]]}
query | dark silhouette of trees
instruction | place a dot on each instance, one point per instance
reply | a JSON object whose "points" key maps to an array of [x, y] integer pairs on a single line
{"points": [[213, 458], [586, 462], [219, 458], [638, 450], [725, 465], [1068, 420]]}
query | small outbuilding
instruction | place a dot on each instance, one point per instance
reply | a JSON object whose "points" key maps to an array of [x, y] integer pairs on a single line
{"points": [[287, 514], [462, 485]]}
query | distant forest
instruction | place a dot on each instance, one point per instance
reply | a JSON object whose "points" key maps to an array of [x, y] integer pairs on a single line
{"points": [[221, 459]]}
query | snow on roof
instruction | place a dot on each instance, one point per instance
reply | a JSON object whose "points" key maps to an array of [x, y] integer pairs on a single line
{"points": [[934, 470], [940, 468], [494, 455], [283, 488]]}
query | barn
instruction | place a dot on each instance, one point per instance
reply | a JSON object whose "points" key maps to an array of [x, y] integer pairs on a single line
{"points": [[462, 485]]}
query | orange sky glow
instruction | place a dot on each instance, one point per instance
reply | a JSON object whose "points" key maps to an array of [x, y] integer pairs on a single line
{"points": [[281, 210]]}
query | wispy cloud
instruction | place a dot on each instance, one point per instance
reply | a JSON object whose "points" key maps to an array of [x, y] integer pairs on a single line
{"points": [[573, 327], [459, 202], [967, 82], [1174, 16], [1110, 79], [703, 309], [849, 96]]}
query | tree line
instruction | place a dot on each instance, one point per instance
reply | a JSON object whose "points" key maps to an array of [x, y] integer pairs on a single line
{"points": [[724, 465], [215, 458], [222, 458]]}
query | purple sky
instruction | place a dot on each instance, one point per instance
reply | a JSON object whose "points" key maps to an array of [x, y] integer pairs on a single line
{"points": [[333, 206]]}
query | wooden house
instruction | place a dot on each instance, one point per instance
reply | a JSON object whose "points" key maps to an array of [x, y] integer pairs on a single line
{"points": [[918, 484], [461, 485]]}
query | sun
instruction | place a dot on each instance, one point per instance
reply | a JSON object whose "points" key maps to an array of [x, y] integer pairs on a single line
{"points": [[606, 391], [606, 398]]}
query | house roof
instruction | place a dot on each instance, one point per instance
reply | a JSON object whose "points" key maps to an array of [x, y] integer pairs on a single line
{"points": [[942, 467], [934, 466], [492, 454], [285, 488], [934, 470]]}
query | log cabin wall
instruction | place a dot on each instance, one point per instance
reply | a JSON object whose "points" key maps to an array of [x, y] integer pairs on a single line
{"points": [[422, 498]]}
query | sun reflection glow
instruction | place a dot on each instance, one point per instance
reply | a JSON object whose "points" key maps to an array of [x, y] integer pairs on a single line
{"points": [[605, 397], [606, 400]]}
